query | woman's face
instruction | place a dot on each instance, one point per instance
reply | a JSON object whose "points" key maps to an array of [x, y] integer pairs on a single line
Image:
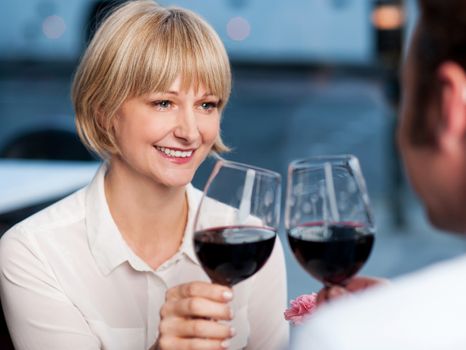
{"points": [[166, 136]]}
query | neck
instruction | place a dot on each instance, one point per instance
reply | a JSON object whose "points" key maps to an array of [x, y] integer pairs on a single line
{"points": [[150, 216]]}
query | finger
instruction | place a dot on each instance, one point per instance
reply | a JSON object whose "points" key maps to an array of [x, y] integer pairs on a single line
{"points": [[196, 328], [206, 290], [322, 296], [167, 343], [336, 292], [361, 283], [197, 307], [329, 293]]}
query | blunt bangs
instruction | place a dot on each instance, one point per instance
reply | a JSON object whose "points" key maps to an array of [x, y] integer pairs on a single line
{"points": [[182, 49]]}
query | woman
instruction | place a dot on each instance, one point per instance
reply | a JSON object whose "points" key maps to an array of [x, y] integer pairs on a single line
{"points": [[112, 266]]}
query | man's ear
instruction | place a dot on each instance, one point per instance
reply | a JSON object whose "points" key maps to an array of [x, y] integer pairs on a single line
{"points": [[452, 108]]}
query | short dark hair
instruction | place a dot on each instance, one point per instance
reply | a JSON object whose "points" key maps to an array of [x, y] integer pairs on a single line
{"points": [[440, 37]]}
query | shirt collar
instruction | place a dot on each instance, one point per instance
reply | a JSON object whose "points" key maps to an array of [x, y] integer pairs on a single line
{"points": [[105, 241], [194, 198]]}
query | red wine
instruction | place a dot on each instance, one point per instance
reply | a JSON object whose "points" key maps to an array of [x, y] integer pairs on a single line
{"points": [[229, 255], [331, 254]]}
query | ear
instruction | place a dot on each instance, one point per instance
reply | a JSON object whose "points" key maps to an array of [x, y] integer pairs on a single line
{"points": [[452, 99]]}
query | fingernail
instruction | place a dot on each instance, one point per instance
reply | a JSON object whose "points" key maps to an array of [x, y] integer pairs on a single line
{"points": [[232, 332], [227, 295], [336, 291], [225, 344]]}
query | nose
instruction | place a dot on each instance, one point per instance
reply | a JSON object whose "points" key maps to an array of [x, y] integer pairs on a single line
{"points": [[187, 128]]}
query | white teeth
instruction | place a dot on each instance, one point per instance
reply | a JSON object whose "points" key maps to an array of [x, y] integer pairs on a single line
{"points": [[173, 153]]}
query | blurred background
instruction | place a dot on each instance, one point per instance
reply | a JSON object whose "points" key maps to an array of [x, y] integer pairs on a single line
{"points": [[310, 77]]}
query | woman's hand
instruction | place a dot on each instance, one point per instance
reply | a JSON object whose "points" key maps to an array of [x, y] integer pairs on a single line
{"points": [[354, 285], [189, 318]]}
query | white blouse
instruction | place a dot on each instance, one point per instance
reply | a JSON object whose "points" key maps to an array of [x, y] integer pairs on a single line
{"points": [[69, 281]]}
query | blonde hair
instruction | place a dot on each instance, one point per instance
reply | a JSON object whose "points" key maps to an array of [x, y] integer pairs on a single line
{"points": [[142, 48]]}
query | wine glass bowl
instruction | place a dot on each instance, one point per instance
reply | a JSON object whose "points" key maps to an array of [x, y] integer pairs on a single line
{"points": [[237, 221], [328, 218]]}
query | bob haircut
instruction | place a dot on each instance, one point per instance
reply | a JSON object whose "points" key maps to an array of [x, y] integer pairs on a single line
{"points": [[142, 48]]}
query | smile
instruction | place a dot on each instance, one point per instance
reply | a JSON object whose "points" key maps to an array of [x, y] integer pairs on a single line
{"points": [[174, 153]]}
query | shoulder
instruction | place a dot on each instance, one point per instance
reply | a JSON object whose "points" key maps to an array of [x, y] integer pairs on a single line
{"points": [[418, 310], [61, 213], [48, 226]]}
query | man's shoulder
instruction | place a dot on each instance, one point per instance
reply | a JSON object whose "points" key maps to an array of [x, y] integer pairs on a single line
{"points": [[415, 311]]}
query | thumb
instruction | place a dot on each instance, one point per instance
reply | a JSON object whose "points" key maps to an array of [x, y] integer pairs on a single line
{"points": [[336, 292], [329, 293]]}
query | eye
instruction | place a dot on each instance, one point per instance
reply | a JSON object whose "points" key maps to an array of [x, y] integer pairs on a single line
{"points": [[162, 104], [208, 106]]}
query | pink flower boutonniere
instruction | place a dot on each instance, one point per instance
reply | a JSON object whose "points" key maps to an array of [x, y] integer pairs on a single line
{"points": [[301, 308]]}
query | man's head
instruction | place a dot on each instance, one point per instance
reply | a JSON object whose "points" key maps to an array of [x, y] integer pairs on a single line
{"points": [[432, 132]]}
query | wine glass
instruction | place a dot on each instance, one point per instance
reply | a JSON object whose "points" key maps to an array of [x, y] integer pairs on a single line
{"points": [[237, 221], [328, 218]]}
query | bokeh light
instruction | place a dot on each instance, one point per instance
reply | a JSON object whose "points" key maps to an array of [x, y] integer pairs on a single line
{"points": [[53, 27], [388, 17], [238, 28]]}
